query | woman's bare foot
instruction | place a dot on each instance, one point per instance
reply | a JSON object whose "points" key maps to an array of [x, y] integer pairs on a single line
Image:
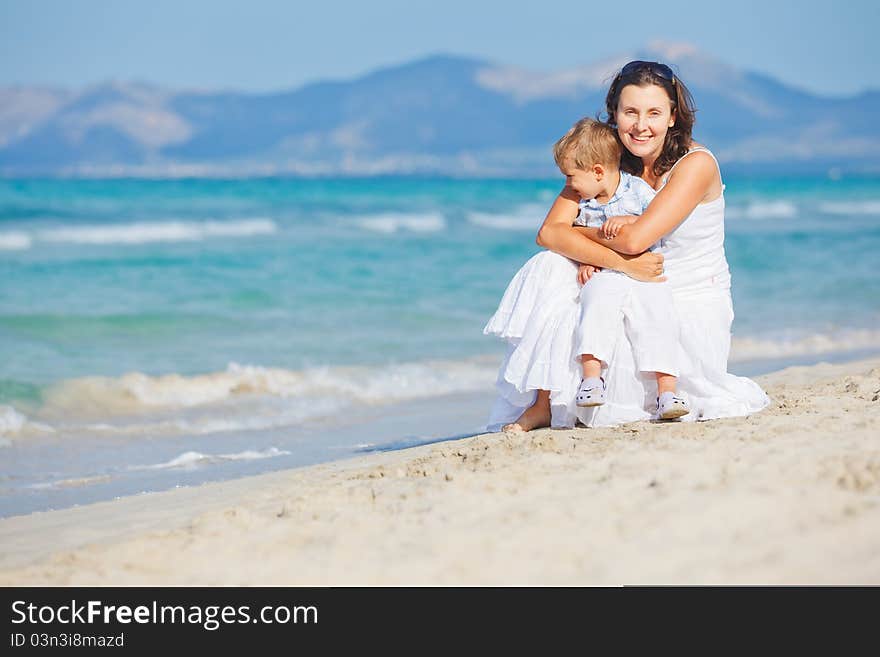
{"points": [[513, 427], [536, 416]]}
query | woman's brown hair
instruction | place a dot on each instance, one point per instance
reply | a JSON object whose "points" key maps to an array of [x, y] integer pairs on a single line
{"points": [[678, 139]]}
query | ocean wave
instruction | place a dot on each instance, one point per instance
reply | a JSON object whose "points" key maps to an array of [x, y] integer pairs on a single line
{"points": [[193, 460], [240, 419], [171, 231], [186, 461], [393, 223], [525, 218], [73, 482], [754, 348], [254, 398], [11, 421], [762, 210], [14, 424], [321, 389], [14, 241], [851, 207]]}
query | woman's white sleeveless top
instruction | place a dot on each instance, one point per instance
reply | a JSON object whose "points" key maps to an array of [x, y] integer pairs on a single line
{"points": [[695, 259]]}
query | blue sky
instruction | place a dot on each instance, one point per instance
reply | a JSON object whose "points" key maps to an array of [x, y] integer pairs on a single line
{"points": [[262, 45]]}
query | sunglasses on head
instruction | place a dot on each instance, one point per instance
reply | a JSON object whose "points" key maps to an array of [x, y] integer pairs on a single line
{"points": [[658, 69]]}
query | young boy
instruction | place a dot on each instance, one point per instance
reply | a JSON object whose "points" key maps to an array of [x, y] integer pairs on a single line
{"points": [[589, 156]]}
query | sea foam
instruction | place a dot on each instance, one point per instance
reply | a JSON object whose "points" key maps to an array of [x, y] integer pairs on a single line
{"points": [[208, 422], [392, 223], [193, 460], [11, 421], [170, 231], [15, 425], [14, 241], [72, 482], [525, 218], [762, 210], [850, 208], [323, 388], [255, 398], [755, 348]]}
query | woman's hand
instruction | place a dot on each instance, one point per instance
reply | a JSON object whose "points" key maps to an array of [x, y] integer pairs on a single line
{"points": [[585, 272], [647, 267], [613, 225]]}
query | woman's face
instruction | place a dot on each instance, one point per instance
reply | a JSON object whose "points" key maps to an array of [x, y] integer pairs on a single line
{"points": [[644, 116]]}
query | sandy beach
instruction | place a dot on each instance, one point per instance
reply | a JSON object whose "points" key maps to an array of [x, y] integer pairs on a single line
{"points": [[787, 496]]}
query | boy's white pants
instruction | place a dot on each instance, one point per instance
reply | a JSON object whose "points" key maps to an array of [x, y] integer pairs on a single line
{"points": [[648, 315]]}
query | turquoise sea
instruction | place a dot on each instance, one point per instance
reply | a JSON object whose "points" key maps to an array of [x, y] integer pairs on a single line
{"points": [[156, 333]]}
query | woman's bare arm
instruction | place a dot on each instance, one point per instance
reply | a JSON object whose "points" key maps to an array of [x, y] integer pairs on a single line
{"points": [[688, 186], [557, 234]]}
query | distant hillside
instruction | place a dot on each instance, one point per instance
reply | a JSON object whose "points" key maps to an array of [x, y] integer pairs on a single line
{"points": [[440, 115]]}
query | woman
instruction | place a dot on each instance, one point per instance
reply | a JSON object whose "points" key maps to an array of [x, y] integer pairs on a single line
{"points": [[653, 114]]}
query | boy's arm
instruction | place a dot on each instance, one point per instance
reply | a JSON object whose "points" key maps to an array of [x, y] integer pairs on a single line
{"points": [[558, 234], [644, 194], [613, 225], [608, 229]]}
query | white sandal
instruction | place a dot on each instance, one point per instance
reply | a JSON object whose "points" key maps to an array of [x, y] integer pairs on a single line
{"points": [[670, 407], [591, 394]]}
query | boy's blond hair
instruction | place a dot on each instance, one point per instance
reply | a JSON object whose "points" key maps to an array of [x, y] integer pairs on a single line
{"points": [[588, 142]]}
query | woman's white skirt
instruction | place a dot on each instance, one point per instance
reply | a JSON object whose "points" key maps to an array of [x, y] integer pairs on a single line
{"points": [[538, 317]]}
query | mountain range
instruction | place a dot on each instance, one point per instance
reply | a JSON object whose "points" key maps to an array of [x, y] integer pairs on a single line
{"points": [[441, 115]]}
